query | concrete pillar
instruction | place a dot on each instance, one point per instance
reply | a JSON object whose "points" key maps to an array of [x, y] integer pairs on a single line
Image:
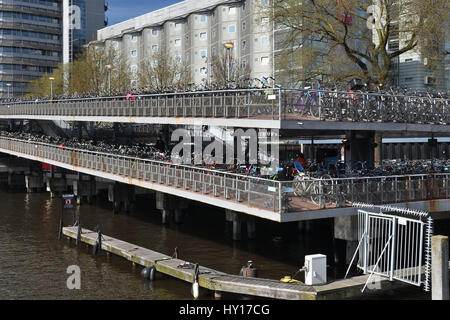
{"points": [[56, 185], [305, 226], [178, 215], [170, 206], [346, 228], [236, 219], [251, 228], [308, 226], [16, 181], [166, 215], [237, 227], [84, 188], [4, 178], [121, 195], [439, 268], [129, 133], [378, 152], [116, 127], [360, 147], [116, 207], [34, 183]]}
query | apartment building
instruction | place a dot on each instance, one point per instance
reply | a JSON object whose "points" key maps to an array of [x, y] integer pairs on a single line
{"points": [[192, 32]]}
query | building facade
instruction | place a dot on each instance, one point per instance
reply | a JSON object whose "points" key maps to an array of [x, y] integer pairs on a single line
{"points": [[31, 38], [192, 32]]}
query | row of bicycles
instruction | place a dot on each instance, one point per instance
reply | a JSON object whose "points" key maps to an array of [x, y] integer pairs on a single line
{"points": [[368, 106], [317, 184]]}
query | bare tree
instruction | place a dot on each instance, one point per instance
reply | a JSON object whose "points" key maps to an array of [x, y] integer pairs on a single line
{"points": [[163, 72], [87, 74], [343, 39], [239, 72]]}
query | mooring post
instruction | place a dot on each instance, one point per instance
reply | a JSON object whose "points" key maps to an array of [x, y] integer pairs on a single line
{"points": [[439, 268], [61, 223], [78, 232]]}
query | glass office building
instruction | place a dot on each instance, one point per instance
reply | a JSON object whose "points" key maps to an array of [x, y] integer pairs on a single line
{"points": [[31, 39]]}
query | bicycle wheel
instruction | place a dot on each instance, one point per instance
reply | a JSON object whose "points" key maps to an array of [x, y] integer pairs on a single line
{"points": [[299, 186], [316, 195], [314, 108], [328, 185]]}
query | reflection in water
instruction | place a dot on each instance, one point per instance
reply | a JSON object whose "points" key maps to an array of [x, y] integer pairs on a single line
{"points": [[34, 262]]}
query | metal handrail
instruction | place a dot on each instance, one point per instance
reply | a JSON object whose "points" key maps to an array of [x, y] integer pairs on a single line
{"points": [[257, 192], [273, 103]]}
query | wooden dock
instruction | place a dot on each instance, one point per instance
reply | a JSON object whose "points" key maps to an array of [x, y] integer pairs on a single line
{"points": [[221, 282]]}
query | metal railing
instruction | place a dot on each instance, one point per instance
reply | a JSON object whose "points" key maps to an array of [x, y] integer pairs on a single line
{"points": [[342, 192], [276, 196], [233, 187], [266, 104]]}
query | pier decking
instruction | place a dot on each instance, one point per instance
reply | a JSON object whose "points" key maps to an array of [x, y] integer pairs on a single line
{"points": [[223, 282]]}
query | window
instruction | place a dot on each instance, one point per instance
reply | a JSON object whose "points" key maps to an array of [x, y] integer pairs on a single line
{"points": [[154, 32], [203, 18], [232, 10], [203, 53], [116, 44], [134, 53], [134, 68], [177, 25], [244, 44], [154, 63], [232, 28], [154, 47], [134, 38], [244, 26], [203, 70], [264, 60], [264, 2], [265, 40], [133, 83], [264, 21], [178, 59], [178, 42], [202, 35]]}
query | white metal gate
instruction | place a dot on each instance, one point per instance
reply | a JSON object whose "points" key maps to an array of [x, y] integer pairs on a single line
{"points": [[394, 245]]}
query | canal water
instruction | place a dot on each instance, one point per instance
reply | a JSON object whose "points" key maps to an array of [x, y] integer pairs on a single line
{"points": [[34, 262]]}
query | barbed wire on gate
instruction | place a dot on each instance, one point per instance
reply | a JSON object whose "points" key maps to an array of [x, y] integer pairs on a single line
{"points": [[391, 208]]}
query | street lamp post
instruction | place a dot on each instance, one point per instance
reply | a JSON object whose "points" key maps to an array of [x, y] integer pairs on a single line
{"points": [[51, 87], [229, 46], [109, 67], [8, 85]]}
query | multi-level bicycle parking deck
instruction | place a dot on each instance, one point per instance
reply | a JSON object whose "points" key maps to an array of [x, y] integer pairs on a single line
{"points": [[256, 108], [280, 201]]}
